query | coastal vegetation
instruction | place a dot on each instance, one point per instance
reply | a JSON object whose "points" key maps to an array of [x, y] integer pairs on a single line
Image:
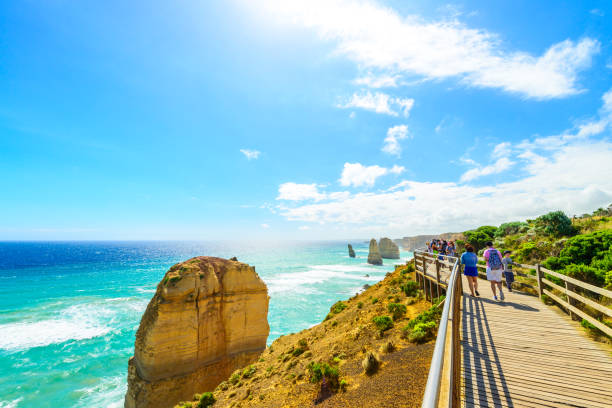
{"points": [[350, 357], [579, 247]]}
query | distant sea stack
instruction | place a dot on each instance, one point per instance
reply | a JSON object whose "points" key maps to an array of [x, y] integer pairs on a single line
{"points": [[351, 251], [207, 318], [388, 249], [374, 257]]}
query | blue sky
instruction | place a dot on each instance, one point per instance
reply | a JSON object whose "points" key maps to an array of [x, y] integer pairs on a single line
{"points": [[299, 120]]}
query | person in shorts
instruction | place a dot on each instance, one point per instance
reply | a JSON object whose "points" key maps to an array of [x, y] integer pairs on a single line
{"points": [[495, 269], [470, 260], [507, 261]]}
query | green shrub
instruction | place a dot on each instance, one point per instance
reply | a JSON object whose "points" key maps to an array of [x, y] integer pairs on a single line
{"points": [[338, 307], [320, 370], [555, 224], [586, 273], [207, 399], [359, 305], [235, 378], [510, 228], [297, 351], [383, 323], [374, 301], [249, 371], [478, 237], [397, 310], [423, 327], [410, 288]]}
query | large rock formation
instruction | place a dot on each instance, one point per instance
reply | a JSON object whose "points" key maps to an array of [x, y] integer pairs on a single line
{"points": [[388, 249], [207, 318], [374, 256], [351, 251]]}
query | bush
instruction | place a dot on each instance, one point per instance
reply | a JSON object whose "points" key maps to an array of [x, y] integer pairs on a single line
{"points": [[359, 305], [320, 370], [249, 371], [410, 288], [383, 323], [335, 309], [586, 257], [510, 228], [586, 273], [235, 378], [478, 237], [207, 399], [374, 301], [338, 307], [554, 223], [423, 327], [397, 310], [422, 332]]}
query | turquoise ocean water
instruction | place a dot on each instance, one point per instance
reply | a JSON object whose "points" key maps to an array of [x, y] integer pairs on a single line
{"points": [[69, 311]]}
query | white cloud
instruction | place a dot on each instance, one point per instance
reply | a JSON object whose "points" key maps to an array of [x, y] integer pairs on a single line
{"points": [[499, 166], [304, 228], [356, 174], [378, 81], [299, 192], [379, 102], [250, 154], [391, 142], [567, 181], [501, 149], [265, 226], [397, 169], [379, 39]]}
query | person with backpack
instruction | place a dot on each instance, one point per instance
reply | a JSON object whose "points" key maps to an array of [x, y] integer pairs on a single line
{"points": [[495, 269]]}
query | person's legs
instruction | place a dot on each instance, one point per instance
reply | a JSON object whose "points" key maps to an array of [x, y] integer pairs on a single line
{"points": [[493, 288], [475, 283], [471, 285], [499, 285]]}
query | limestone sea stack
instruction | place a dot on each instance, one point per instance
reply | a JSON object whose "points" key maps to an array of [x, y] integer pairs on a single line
{"points": [[374, 257], [351, 251], [207, 318], [388, 249]]}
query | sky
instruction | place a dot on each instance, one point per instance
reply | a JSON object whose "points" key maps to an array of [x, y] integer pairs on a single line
{"points": [[286, 119]]}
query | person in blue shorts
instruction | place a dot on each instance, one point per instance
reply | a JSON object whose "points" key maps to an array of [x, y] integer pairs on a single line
{"points": [[470, 260]]}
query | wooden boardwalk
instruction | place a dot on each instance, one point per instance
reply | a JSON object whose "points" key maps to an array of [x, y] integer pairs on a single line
{"points": [[522, 353]]}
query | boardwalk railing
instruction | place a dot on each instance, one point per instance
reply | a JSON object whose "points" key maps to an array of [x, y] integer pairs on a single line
{"points": [[446, 360]]}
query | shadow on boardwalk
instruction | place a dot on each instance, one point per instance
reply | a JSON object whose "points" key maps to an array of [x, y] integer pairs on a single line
{"points": [[521, 353], [481, 389]]}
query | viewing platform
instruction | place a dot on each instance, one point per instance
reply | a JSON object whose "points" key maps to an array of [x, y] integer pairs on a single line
{"points": [[518, 352]]}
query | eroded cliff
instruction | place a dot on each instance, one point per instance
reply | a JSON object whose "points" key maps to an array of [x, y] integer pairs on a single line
{"points": [[374, 257], [388, 249], [207, 318]]}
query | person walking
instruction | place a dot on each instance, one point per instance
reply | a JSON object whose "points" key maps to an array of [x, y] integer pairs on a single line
{"points": [[470, 260], [495, 269]]}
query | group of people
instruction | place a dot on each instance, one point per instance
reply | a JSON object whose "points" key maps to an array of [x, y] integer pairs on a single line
{"points": [[442, 248], [497, 267]]}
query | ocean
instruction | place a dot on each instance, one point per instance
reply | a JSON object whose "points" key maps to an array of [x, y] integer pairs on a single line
{"points": [[69, 311]]}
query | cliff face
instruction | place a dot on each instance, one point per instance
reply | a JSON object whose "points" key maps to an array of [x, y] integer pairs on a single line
{"points": [[388, 249], [351, 251], [207, 318], [374, 257], [418, 241]]}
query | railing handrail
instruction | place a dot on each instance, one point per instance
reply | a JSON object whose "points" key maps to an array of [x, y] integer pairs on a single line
{"points": [[432, 389]]}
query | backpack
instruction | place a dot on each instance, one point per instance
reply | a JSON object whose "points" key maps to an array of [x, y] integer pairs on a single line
{"points": [[494, 259]]}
